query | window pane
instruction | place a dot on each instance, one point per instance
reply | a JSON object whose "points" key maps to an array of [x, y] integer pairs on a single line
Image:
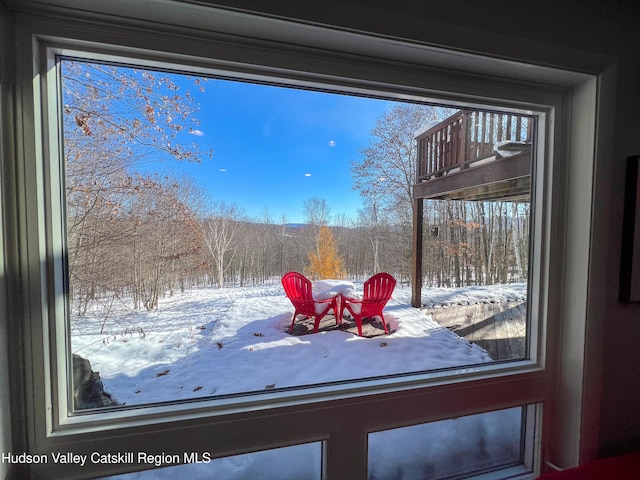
{"points": [[454, 448], [296, 462], [188, 199]]}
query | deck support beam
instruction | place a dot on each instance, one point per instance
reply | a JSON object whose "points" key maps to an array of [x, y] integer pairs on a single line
{"points": [[416, 276]]}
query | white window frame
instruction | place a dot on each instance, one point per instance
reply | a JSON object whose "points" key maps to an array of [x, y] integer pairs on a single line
{"points": [[567, 102]]}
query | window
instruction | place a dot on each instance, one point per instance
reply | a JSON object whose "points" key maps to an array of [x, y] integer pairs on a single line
{"points": [[175, 259], [445, 449], [340, 415], [300, 461]]}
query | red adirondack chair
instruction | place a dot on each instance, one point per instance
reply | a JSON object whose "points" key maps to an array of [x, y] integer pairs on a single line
{"points": [[298, 289], [377, 292]]}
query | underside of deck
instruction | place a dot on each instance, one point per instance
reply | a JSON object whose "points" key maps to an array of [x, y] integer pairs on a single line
{"points": [[495, 179]]}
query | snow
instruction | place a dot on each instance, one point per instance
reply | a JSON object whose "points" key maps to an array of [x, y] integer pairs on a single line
{"points": [[207, 342], [510, 148], [324, 289]]}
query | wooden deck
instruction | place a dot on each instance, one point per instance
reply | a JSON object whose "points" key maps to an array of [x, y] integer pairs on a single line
{"points": [[475, 155], [499, 328]]}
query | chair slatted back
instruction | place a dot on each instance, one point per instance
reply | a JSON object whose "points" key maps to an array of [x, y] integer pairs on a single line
{"points": [[298, 289], [377, 292]]}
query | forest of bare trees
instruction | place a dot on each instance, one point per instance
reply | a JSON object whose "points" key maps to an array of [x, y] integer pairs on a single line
{"points": [[135, 234]]}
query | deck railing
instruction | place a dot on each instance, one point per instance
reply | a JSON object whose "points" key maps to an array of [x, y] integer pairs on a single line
{"points": [[467, 137]]}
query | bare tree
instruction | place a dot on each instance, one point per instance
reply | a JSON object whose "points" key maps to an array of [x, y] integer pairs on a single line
{"points": [[385, 174], [117, 121], [386, 168], [316, 211], [220, 230], [318, 214]]}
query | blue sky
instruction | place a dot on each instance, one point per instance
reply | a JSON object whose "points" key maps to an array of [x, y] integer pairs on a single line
{"points": [[276, 147]]}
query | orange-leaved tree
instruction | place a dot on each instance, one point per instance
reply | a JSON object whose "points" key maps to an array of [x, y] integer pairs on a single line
{"points": [[324, 261]]}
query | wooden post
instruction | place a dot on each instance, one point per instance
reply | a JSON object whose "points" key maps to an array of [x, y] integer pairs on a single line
{"points": [[492, 138], [462, 141], [468, 140], [416, 276]]}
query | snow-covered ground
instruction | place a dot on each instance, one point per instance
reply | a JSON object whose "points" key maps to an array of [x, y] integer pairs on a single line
{"points": [[233, 340], [222, 341]]}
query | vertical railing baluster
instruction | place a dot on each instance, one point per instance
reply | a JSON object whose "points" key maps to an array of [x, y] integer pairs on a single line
{"points": [[467, 137], [476, 133], [492, 139], [447, 145], [429, 157], [487, 145], [454, 142], [450, 158], [432, 148], [437, 150], [441, 149], [421, 157]]}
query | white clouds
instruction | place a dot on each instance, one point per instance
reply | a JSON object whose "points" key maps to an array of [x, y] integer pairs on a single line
{"points": [[332, 143], [197, 133], [307, 174], [223, 170], [268, 126]]}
